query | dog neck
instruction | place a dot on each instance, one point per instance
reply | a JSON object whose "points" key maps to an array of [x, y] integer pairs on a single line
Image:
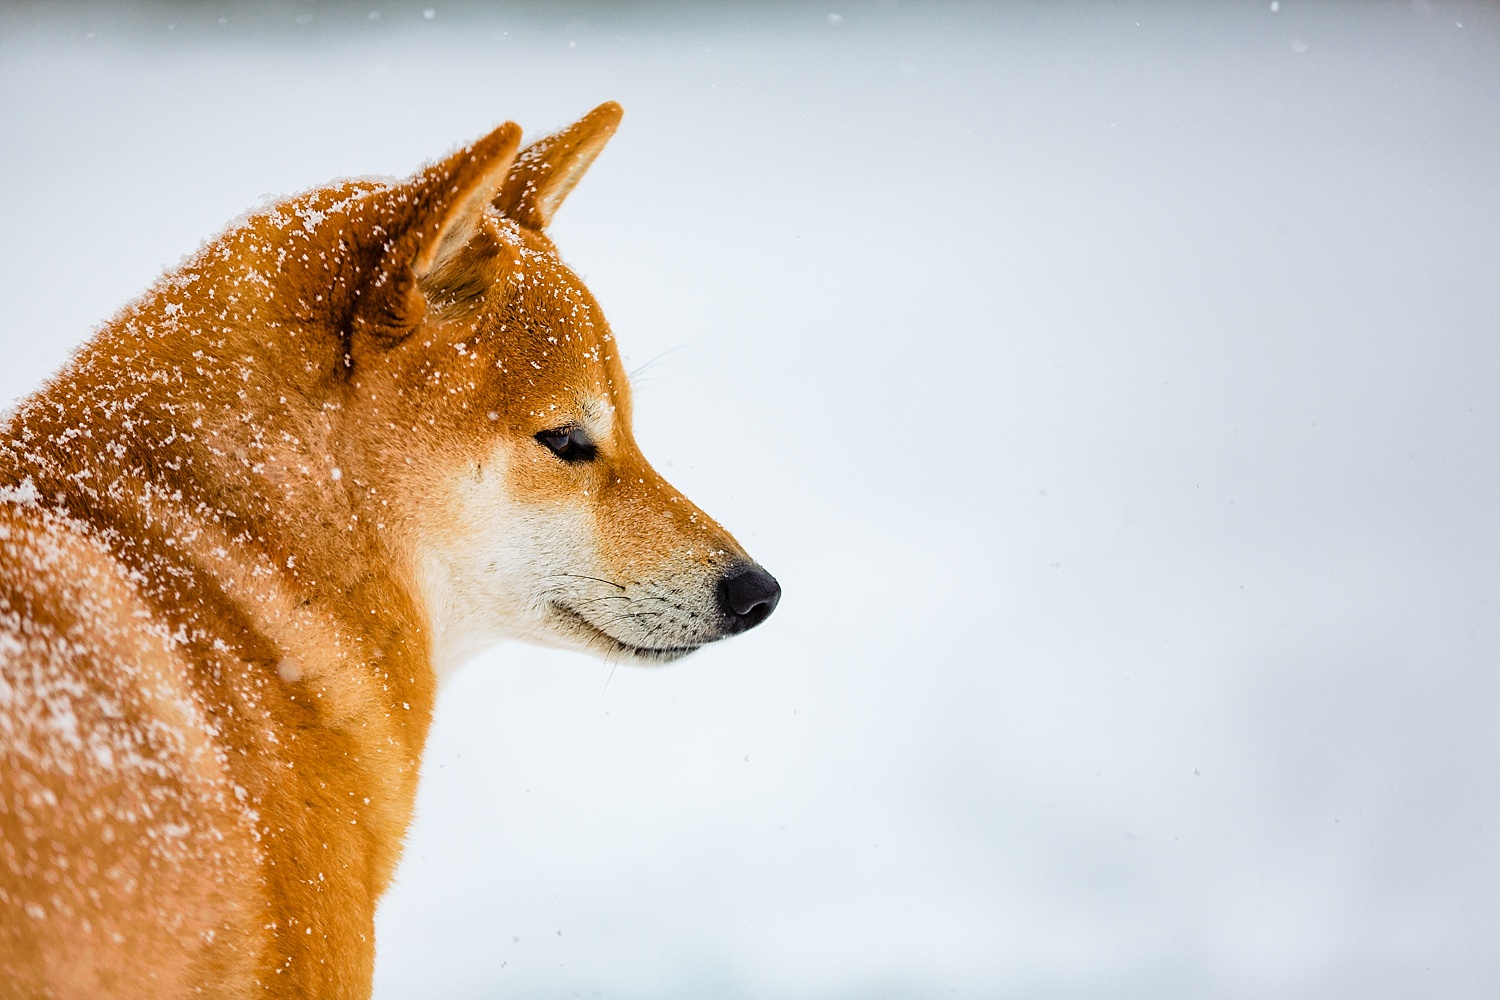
{"points": [[202, 437]]}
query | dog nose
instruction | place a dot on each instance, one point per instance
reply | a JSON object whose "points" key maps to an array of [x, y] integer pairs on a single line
{"points": [[747, 596]]}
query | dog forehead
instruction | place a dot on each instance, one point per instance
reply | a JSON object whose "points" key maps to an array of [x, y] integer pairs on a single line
{"points": [[552, 341], [553, 300], [557, 396]]}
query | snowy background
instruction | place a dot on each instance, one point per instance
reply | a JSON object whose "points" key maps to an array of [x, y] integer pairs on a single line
{"points": [[1115, 390]]}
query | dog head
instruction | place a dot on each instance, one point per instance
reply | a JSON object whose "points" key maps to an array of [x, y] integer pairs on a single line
{"points": [[502, 417]]}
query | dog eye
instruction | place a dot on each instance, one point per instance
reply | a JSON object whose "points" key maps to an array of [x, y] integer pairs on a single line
{"points": [[571, 444]]}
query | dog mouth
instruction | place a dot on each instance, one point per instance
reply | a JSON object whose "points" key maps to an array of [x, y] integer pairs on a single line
{"points": [[600, 641]]}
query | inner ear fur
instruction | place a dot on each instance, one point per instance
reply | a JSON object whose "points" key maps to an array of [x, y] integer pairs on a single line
{"points": [[426, 220], [549, 168]]}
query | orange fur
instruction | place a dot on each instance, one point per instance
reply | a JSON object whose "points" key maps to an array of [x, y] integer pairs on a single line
{"points": [[231, 532]]}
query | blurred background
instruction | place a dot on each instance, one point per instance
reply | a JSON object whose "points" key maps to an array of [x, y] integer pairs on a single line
{"points": [[1111, 386]]}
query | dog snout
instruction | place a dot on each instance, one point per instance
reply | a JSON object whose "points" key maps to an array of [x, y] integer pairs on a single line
{"points": [[747, 596]]}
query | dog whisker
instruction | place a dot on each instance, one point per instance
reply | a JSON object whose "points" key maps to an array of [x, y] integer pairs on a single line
{"points": [[582, 576], [596, 600], [626, 617]]}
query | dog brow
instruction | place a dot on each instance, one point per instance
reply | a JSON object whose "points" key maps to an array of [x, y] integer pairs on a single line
{"points": [[599, 414]]}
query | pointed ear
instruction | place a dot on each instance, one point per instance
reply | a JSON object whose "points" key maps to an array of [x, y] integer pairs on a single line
{"points": [[424, 221], [547, 169], [449, 197]]}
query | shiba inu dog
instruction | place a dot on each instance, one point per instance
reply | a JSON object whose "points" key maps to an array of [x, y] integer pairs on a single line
{"points": [[358, 437]]}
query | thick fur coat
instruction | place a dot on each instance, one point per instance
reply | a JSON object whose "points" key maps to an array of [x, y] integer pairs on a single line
{"points": [[360, 436]]}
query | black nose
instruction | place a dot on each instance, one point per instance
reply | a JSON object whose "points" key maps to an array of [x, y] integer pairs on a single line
{"points": [[747, 596]]}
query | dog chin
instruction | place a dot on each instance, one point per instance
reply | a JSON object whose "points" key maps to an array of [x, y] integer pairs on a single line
{"points": [[579, 633]]}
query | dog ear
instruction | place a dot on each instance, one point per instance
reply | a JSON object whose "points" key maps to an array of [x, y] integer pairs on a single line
{"points": [[423, 222], [548, 169], [447, 199]]}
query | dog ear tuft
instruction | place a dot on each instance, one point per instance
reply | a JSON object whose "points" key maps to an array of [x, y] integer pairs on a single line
{"points": [[426, 220], [549, 168], [450, 196]]}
